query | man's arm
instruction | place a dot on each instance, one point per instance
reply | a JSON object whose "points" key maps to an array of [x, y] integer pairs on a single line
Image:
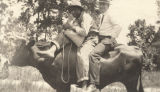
{"points": [[83, 28], [79, 30]]}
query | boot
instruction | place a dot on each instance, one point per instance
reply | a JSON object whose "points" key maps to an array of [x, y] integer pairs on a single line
{"points": [[92, 88], [48, 53], [84, 86]]}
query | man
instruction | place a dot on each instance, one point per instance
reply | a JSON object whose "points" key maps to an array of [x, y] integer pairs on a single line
{"points": [[108, 32], [73, 26], [82, 29]]}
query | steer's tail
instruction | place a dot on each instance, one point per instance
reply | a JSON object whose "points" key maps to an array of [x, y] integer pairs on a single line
{"points": [[139, 85]]}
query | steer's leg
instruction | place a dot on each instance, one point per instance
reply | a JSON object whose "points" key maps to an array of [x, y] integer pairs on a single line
{"points": [[131, 84], [62, 89], [131, 87]]}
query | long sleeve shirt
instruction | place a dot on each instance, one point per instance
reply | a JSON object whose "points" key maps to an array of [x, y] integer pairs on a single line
{"points": [[109, 27], [86, 22]]}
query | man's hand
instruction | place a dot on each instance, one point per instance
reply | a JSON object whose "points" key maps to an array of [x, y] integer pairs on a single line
{"points": [[69, 24]]}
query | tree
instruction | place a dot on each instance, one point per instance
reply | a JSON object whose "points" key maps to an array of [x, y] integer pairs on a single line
{"points": [[156, 44], [10, 29], [141, 35], [47, 14], [156, 41], [38, 16]]}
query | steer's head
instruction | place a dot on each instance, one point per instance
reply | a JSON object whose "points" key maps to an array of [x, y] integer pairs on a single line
{"points": [[23, 55], [26, 55]]}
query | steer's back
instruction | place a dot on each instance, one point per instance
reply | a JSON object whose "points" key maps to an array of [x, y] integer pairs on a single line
{"points": [[124, 66]]}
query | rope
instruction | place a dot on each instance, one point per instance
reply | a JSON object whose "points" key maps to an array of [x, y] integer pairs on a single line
{"points": [[62, 73]]}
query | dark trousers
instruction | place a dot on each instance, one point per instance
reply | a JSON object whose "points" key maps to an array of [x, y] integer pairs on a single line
{"points": [[105, 45]]}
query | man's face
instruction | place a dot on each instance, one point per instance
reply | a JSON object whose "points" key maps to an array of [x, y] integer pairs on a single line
{"points": [[65, 17], [102, 7]]}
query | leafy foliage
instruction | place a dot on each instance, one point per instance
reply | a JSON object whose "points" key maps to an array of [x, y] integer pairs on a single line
{"points": [[37, 17], [10, 30], [141, 35], [44, 12], [156, 44]]}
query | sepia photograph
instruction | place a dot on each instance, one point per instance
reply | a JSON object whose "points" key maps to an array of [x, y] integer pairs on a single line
{"points": [[79, 45]]}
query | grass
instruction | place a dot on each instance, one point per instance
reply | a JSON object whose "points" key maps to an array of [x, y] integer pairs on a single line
{"points": [[151, 79], [24, 79], [28, 79]]}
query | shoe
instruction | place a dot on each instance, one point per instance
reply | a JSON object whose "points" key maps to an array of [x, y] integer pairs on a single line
{"points": [[91, 88], [84, 86]]}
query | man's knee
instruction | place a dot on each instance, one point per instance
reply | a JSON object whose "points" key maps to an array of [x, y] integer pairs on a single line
{"points": [[92, 54], [93, 57]]}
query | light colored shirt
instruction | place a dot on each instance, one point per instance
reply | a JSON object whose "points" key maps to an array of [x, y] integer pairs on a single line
{"points": [[86, 22], [80, 31], [96, 22], [109, 27]]}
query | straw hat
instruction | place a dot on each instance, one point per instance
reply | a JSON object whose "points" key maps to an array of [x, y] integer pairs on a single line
{"points": [[74, 2], [104, 1]]}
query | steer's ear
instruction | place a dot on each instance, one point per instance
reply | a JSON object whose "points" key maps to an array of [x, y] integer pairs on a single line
{"points": [[31, 43]]}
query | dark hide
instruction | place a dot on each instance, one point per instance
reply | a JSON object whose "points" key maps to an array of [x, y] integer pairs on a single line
{"points": [[118, 69]]}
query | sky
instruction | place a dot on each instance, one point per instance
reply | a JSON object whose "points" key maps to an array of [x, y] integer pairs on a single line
{"points": [[125, 12]]}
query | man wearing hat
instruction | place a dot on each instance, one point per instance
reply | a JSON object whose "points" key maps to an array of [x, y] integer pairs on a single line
{"points": [[108, 32], [85, 46]]}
